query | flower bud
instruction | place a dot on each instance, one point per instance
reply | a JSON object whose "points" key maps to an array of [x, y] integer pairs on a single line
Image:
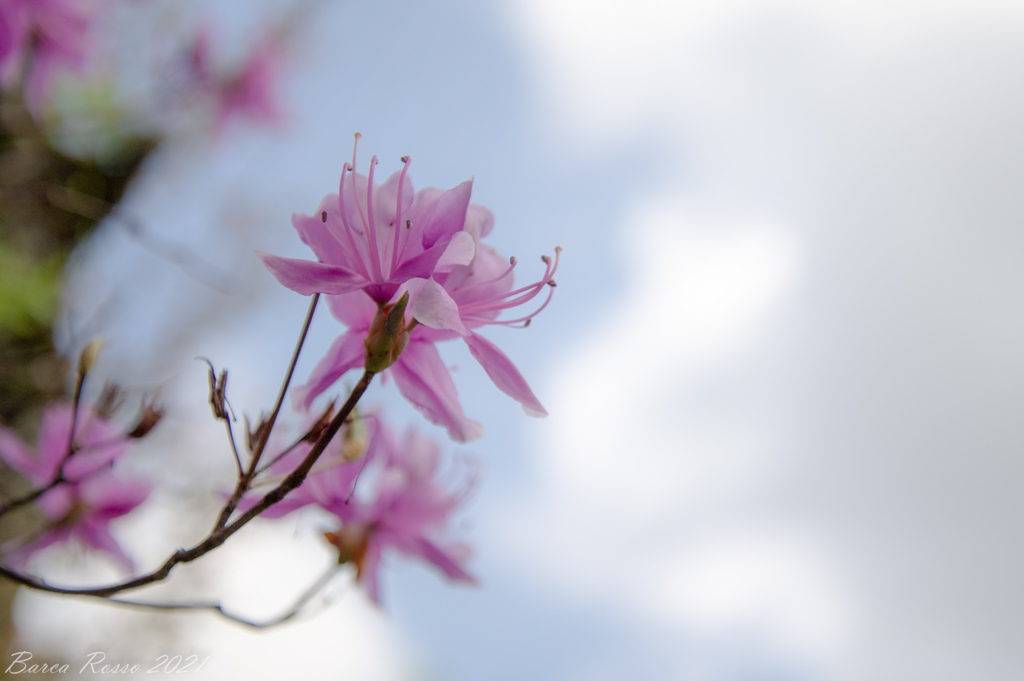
{"points": [[351, 541], [88, 356], [151, 415], [387, 336]]}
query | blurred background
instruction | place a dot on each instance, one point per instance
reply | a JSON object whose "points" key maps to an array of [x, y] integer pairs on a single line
{"points": [[783, 363]]}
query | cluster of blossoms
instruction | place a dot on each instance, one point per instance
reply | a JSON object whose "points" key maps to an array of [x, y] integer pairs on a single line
{"points": [[74, 464], [406, 508], [40, 37], [403, 270]]}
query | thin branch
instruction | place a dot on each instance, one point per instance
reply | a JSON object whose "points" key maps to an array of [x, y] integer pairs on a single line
{"points": [[234, 447], [287, 615], [219, 535], [245, 479], [262, 443]]}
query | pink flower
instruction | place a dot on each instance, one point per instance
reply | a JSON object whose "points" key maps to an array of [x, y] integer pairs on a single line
{"points": [[333, 477], [97, 444], [249, 93], [50, 34], [409, 513], [91, 496], [452, 304], [374, 238], [447, 306]]}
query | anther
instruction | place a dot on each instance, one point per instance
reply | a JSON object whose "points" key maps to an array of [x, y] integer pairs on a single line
{"points": [[404, 159], [552, 283], [408, 224], [512, 261], [323, 216], [546, 259], [527, 322]]}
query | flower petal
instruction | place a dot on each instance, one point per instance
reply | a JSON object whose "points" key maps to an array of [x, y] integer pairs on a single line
{"points": [[345, 353], [441, 558], [449, 214], [16, 453], [433, 307], [308, 277], [504, 373], [355, 310], [423, 379], [321, 237], [96, 534], [461, 250]]}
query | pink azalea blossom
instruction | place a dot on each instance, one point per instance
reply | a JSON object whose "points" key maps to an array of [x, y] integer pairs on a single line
{"points": [[50, 34], [91, 496], [97, 444], [447, 306], [374, 238], [408, 513]]}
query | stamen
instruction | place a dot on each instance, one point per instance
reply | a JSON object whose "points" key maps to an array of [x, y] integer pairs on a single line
{"points": [[344, 220], [323, 216], [512, 266], [406, 160], [526, 294], [375, 258], [526, 320]]}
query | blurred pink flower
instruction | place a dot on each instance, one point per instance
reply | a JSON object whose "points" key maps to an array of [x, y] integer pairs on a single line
{"points": [[375, 238], [91, 495], [409, 512], [249, 93], [333, 476], [97, 444], [49, 34]]}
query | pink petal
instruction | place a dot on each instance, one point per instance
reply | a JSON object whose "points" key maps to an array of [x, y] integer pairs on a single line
{"points": [[504, 373], [479, 221], [460, 251], [448, 564], [108, 496], [17, 555], [369, 574], [355, 310], [385, 201], [307, 277], [347, 352], [449, 214], [97, 535], [320, 237], [433, 307], [57, 502], [423, 379], [16, 454], [422, 265], [54, 434]]}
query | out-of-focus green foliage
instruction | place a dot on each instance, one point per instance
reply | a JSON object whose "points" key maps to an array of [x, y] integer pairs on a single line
{"points": [[29, 291]]}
